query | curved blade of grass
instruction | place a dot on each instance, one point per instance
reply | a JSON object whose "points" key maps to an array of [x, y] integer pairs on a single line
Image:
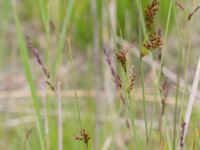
{"points": [[29, 78], [44, 13], [62, 36]]}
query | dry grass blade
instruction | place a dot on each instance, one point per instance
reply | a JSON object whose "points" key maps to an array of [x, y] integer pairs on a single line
{"points": [[185, 124], [60, 120]]}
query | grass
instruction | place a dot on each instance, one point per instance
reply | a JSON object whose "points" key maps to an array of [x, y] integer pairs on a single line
{"points": [[62, 31], [25, 60]]}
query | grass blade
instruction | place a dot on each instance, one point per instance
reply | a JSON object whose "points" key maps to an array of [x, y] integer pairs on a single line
{"points": [[25, 61]]}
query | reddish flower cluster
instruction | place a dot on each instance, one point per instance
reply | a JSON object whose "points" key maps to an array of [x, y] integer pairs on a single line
{"points": [[155, 41], [83, 136], [121, 56], [150, 13]]}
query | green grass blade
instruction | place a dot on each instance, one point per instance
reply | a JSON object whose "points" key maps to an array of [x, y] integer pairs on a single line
{"points": [[25, 61], [62, 36], [44, 14]]}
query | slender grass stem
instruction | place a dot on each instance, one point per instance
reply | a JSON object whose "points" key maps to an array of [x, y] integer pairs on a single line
{"points": [[74, 82], [142, 24], [176, 106], [128, 102], [75, 87], [189, 106], [60, 119], [144, 100], [62, 36]]}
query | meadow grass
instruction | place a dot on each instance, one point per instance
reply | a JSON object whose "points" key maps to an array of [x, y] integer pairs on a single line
{"points": [[140, 116]]}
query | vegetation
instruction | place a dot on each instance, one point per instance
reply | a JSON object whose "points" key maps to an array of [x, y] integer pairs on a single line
{"points": [[99, 74]]}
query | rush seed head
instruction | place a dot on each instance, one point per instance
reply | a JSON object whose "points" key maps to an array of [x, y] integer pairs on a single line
{"points": [[155, 41], [150, 13], [122, 56], [83, 136]]}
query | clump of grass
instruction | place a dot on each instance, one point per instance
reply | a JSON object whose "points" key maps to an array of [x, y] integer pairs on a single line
{"points": [[55, 90], [125, 83]]}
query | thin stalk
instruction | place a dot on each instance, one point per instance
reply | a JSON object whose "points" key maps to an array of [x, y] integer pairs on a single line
{"points": [[189, 107], [60, 120], [113, 34], [44, 10], [75, 86], [176, 119], [144, 100], [74, 81], [141, 23], [130, 108], [153, 117], [46, 121], [188, 51], [162, 59], [177, 96], [141, 19], [62, 36], [165, 37], [176, 105]]}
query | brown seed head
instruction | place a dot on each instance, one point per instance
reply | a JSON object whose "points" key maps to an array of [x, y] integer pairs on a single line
{"points": [[150, 13], [131, 76], [155, 41], [83, 136], [121, 57]]}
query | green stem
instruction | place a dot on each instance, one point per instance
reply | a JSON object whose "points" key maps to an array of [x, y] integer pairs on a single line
{"points": [[130, 107], [144, 100], [74, 82]]}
